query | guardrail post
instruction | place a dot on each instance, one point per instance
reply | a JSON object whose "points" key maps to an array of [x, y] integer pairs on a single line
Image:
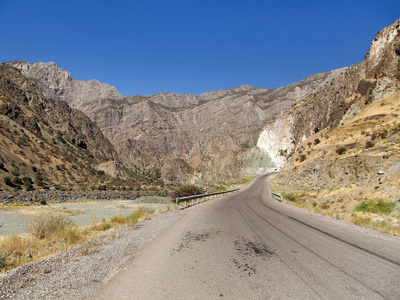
{"points": [[177, 202]]}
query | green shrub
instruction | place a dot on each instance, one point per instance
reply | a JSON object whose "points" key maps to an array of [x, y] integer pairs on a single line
{"points": [[28, 186], [27, 183], [376, 206], [7, 181], [102, 188], [317, 141], [302, 157], [341, 150], [369, 144], [292, 197], [188, 190], [383, 133], [43, 201], [16, 181]]}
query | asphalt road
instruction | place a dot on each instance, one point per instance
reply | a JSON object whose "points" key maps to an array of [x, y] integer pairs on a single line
{"points": [[249, 246]]}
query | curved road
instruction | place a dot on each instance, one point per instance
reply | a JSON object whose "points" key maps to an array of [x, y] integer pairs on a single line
{"points": [[249, 246]]}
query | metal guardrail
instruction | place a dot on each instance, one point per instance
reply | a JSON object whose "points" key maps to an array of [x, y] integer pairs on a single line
{"points": [[279, 197], [199, 197]]}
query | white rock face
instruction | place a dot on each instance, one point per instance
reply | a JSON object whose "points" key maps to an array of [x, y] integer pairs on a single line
{"points": [[380, 44], [276, 139], [384, 87]]}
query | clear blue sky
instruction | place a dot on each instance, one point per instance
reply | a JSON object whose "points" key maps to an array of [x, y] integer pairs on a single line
{"points": [[192, 46]]}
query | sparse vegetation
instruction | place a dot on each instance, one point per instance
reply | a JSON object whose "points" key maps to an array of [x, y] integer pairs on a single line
{"points": [[7, 181], [4, 259], [369, 144], [89, 247], [53, 233], [292, 197], [188, 190], [376, 206], [119, 220], [341, 150], [140, 214], [97, 225], [383, 133], [28, 183], [43, 226]]}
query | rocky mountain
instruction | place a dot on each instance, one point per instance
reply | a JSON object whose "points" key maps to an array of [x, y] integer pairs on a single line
{"points": [[342, 144], [198, 138], [343, 97], [227, 134], [44, 142]]}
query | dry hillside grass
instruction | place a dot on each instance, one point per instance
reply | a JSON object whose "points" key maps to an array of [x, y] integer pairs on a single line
{"points": [[337, 170]]}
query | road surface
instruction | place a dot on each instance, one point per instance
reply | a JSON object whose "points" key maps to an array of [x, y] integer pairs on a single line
{"points": [[250, 246]]}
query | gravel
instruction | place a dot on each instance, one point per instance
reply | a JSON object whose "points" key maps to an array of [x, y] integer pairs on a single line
{"points": [[71, 275]]}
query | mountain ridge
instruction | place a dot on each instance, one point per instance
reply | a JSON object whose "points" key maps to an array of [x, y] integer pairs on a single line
{"points": [[226, 134], [178, 127]]}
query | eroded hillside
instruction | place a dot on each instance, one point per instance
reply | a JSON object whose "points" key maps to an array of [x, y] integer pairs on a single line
{"points": [[348, 158], [45, 143]]}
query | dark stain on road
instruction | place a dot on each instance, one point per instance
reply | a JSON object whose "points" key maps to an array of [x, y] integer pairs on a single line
{"points": [[247, 251], [190, 237]]}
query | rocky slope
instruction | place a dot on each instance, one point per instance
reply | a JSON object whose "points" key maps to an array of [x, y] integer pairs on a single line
{"points": [[343, 97], [45, 143], [345, 139], [200, 138], [222, 135]]}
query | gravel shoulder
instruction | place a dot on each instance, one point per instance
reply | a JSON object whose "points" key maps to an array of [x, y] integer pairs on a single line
{"points": [[71, 275]]}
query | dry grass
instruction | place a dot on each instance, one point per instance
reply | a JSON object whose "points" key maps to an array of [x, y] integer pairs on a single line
{"points": [[367, 130], [119, 220], [382, 226], [43, 226], [71, 212], [89, 247], [347, 204], [353, 196], [51, 234]]}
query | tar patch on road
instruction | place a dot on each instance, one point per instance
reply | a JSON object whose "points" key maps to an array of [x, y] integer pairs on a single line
{"points": [[248, 253], [190, 238]]}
